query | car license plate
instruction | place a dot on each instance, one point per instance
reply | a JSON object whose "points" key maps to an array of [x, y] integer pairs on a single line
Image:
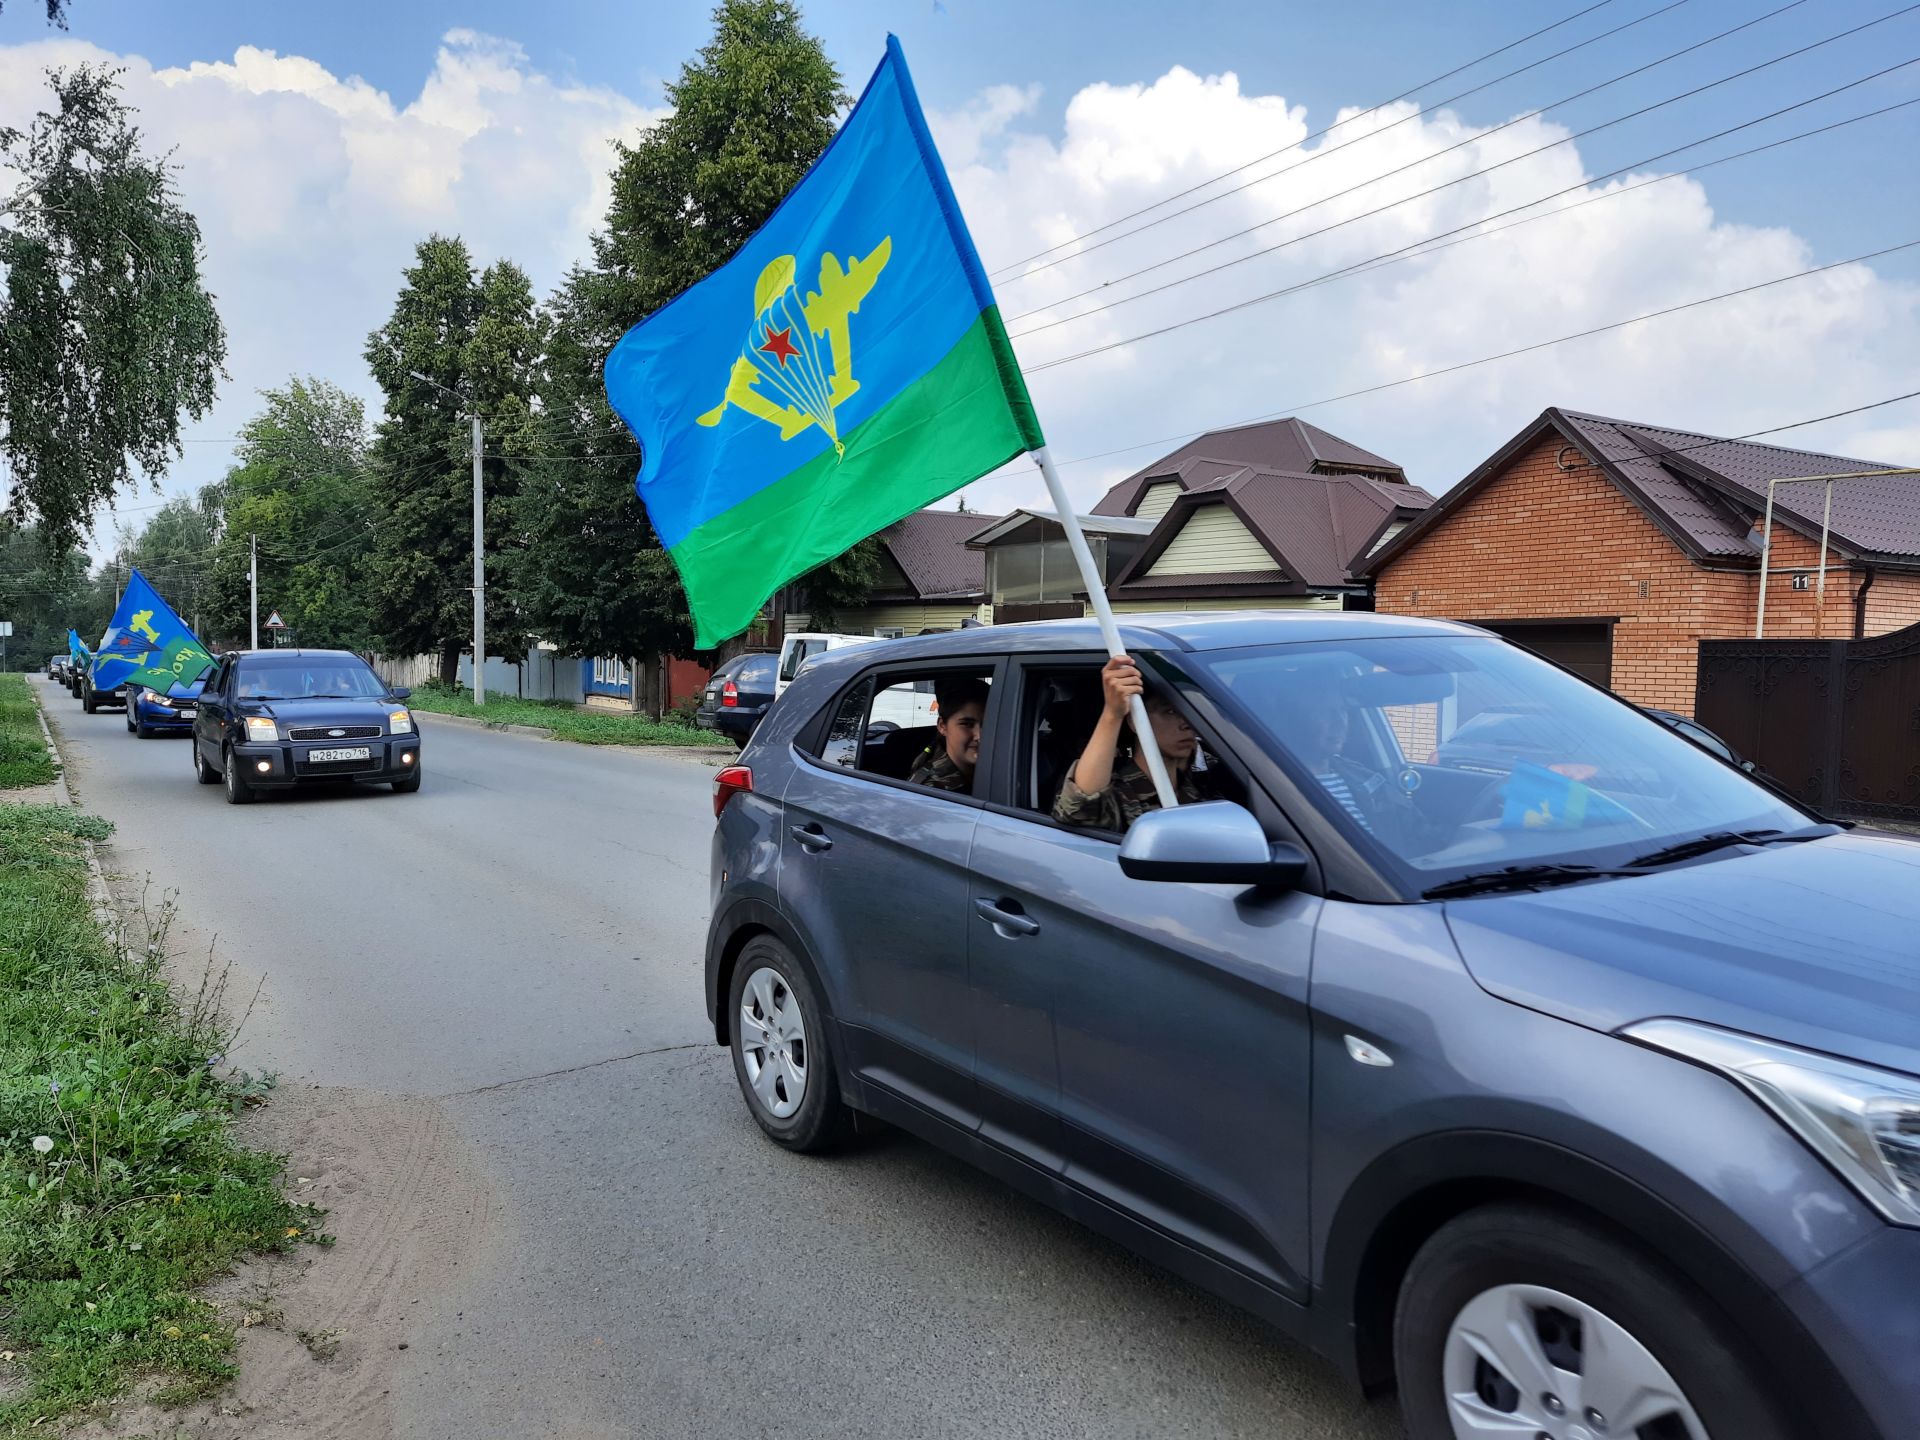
{"points": [[186, 712], [353, 752]]}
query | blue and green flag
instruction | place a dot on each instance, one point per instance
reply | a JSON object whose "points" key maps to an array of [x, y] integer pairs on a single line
{"points": [[147, 643], [845, 368], [77, 651], [1537, 798]]}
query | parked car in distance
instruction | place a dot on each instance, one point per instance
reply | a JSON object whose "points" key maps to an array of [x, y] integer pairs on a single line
{"points": [[171, 711], [797, 649], [275, 719], [56, 666], [898, 708], [738, 694], [1572, 1094]]}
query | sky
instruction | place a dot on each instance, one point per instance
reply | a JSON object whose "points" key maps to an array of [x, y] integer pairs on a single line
{"points": [[318, 143]]}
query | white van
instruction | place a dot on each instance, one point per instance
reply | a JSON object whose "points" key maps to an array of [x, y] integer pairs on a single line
{"points": [[905, 706]]}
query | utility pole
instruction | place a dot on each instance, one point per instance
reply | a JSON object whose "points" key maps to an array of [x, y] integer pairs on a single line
{"points": [[479, 542], [479, 575], [253, 581]]}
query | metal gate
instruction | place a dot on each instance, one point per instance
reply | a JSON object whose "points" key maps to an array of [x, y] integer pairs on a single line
{"points": [[1837, 722]]}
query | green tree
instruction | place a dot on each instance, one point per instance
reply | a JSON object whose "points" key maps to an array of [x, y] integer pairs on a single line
{"points": [[43, 591], [107, 336], [750, 114], [301, 489], [477, 339]]}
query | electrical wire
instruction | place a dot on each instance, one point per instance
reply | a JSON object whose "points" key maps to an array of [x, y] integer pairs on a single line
{"points": [[1413, 250], [1370, 110], [1458, 180]]}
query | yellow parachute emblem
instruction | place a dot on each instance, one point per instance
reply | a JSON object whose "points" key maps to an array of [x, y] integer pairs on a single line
{"points": [[143, 625], [783, 351]]}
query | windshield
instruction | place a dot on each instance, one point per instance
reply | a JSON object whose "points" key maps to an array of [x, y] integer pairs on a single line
{"points": [[308, 678], [1451, 755]]}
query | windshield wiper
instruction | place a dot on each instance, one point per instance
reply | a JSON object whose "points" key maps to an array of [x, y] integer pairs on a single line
{"points": [[1723, 839], [1519, 877]]}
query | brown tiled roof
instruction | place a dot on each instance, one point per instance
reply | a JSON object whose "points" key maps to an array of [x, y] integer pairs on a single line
{"points": [[1318, 527], [1707, 493], [930, 547], [1290, 445]]}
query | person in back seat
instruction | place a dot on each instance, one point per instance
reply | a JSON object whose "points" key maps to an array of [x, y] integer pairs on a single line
{"points": [[962, 704]]}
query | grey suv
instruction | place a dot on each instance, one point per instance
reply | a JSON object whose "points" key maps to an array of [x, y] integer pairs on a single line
{"points": [[1580, 1099]]}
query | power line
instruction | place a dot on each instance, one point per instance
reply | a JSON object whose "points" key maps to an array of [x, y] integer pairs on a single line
{"points": [[1510, 354], [1462, 179], [1471, 140], [1370, 110], [1407, 251]]}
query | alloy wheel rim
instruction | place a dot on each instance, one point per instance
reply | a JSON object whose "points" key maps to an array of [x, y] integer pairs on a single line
{"points": [[1529, 1362], [773, 1043]]}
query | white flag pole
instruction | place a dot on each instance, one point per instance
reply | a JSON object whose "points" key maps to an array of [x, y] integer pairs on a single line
{"points": [[1147, 747]]}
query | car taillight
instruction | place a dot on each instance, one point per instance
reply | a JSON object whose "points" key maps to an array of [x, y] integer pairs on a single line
{"points": [[730, 694], [729, 782]]}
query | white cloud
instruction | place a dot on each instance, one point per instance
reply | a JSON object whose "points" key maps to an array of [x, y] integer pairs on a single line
{"points": [[312, 189], [1781, 354]]}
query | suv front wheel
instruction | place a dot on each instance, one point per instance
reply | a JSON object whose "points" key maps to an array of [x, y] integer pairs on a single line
{"points": [[1517, 1320], [781, 1055]]}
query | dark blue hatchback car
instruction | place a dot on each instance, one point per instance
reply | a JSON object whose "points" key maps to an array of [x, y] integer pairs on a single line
{"points": [[1574, 1093], [274, 719]]}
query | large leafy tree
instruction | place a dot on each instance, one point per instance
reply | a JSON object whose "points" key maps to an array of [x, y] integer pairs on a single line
{"points": [[751, 112], [300, 489], [477, 340], [107, 335]]}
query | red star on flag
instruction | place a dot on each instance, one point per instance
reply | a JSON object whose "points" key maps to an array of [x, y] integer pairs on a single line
{"points": [[779, 344]]}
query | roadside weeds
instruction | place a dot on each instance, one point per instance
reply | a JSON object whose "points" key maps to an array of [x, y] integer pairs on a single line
{"points": [[123, 1188], [562, 721]]}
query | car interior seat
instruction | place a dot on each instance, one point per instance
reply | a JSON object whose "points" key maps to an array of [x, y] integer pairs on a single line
{"points": [[1067, 710], [892, 752]]}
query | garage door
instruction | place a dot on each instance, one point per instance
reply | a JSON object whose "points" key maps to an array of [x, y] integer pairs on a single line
{"points": [[1584, 647]]}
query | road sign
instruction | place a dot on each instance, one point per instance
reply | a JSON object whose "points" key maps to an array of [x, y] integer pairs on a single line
{"points": [[6, 627], [274, 622]]}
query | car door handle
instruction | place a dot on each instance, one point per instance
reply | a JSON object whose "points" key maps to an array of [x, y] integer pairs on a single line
{"points": [[811, 837], [1008, 921]]}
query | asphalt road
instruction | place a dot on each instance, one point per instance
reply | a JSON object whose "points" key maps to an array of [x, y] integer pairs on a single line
{"points": [[517, 948]]}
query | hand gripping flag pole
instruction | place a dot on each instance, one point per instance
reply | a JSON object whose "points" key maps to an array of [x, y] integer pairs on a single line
{"points": [[846, 367], [1147, 748]]}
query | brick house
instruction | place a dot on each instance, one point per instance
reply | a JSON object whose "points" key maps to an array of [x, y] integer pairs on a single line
{"points": [[1616, 547]]}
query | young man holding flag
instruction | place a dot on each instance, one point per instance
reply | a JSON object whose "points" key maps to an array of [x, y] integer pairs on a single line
{"points": [[845, 368]]}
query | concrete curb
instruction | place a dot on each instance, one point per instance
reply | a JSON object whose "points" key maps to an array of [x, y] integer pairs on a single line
{"points": [[707, 755], [104, 910]]}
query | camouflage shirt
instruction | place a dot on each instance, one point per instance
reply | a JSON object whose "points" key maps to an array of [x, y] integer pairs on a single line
{"points": [[935, 769], [1128, 796]]}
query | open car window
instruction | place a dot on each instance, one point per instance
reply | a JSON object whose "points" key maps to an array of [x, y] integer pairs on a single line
{"points": [[890, 726], [1060, 707]]}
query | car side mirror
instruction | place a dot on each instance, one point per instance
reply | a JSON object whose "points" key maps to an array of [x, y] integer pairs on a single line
{"points": [[1215, 842], [400, 692], [1748, 766]]}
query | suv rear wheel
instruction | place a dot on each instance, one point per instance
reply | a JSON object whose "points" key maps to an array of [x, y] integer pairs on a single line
{"points": [[202, 771], [781, 1055], [1515, 1320]]}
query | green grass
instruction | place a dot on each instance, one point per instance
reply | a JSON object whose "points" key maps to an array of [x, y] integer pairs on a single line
{"points": [[122, 1185], [23, 749], [589, 727]]}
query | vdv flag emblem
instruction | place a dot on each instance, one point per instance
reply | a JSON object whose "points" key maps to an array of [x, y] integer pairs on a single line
{"points": [[786, 332], [846, 367]]}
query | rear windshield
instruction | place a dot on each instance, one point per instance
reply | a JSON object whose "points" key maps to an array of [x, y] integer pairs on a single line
{"points": [[756, 672], [308, 678]]}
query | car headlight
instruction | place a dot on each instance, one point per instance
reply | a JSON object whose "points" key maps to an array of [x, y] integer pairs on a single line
{"points": [[154, 697], [1863, 1121], [400, 722], [259, 727]]}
